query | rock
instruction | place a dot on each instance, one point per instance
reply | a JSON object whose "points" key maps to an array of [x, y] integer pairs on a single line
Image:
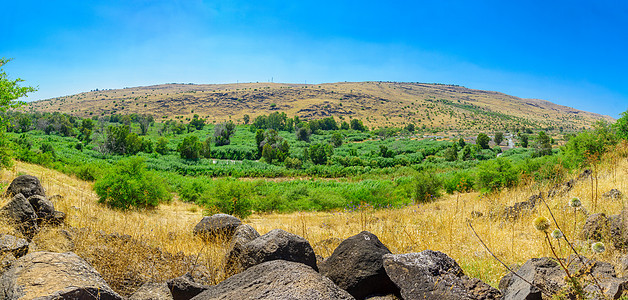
{"points": [[58, 218], [516, 210], [385, 297], [43, 208], [546, 274], [6, 260], [585, 174], [595, 227], [184, 287], [26, 185], [16, 246], [277, 279], [356, 266], [152, 291], [277, 244], [613, 194], [48, 275], [243, 234], [434, 275], [22, 214], [219, 226]]}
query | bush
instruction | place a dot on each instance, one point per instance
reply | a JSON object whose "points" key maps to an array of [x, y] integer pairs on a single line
{"points": [[293, 163], [461, 182], [190, 148], [495, 174], [129, 185], [427, 187]]}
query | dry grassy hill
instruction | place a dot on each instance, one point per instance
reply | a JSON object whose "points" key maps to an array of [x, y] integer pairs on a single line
{"points": [[445, 107]]}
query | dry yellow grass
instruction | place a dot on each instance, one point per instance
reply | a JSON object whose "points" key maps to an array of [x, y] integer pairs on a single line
{"points": [[441, 225]]}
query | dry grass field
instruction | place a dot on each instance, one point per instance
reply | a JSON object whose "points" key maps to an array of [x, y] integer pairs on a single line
{"points": [[443, 107], [160, 244]]}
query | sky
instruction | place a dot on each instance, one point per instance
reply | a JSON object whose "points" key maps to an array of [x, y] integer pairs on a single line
{"points": [[573, 53]]}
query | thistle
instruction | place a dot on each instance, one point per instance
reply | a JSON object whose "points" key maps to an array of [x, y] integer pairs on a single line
{"points": [[557, 234], [541, 224], [598, 248], [575, 202]]}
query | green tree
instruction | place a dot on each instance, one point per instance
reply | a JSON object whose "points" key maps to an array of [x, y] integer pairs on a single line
{"points": [[190, 148], [246, 119], [223, 133], [357, 125], [197, 122], [10, 91], [320, 153], [410, 127], [483, 140], [344, 126], [303, 132], [542, 144], [130, 185], [336, 139], [162, 146], [451, 153], [523, 140], [499, 137], [495, 174], [621, 126]]}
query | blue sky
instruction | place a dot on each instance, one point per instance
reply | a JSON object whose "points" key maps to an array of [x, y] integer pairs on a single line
{"points": [[569, 52]]}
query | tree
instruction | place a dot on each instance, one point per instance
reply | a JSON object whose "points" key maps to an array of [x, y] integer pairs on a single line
{"points": [[542, 144], [336, 139], [621, 126], [344, 126], [320, 153], [357, 125], [162, 146], [246, 119], [499, 137], [303, 132], [145, 121], [197, 122], [410, 127], [190, 148], [10, 91], [273, 147], [483, 140], [223, 133], [461, 143], [451, 153], [523, 140]]}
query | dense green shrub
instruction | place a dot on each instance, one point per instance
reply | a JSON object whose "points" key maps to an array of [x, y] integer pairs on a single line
{"points": [[495, 174], [129, 185], [461, 181], [427, 187], [190, 148]]}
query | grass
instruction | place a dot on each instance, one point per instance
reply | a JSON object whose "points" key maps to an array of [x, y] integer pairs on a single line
{"points": [[439, 225]]}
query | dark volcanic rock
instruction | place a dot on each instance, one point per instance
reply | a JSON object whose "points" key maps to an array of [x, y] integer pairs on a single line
{"points": [[48, 275], [152, 291], [277, 279], [26, 185], [596, 227], [277, 244], [356, 266], [547, 275], [16, 246], [43, 208], [219, 226], [185, 288], [434, 275], [21, 213], [243, 234]]}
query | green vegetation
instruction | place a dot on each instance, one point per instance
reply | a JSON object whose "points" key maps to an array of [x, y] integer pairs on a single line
{"points": [[129, 185], [348, 164]]}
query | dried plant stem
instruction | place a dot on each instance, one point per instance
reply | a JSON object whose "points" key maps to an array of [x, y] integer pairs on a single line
{"points": [[505, 266]]}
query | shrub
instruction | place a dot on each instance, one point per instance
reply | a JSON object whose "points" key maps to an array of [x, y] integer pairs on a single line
{"points": [[190, 148], [427, 187], [495, 174], [129, 185], [459, 182], [293, 163], [162, 146]]}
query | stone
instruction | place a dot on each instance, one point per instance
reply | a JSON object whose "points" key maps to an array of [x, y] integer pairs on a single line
{"points": [[278, 244], [184, 287], [21, 213], [43, 208], [595, 227], [613, 194], [16, 246], [243, 234], [217, 227], [48, 275], [277, 279], [26, 185], [356, 266], [548, 278], [434, 275], [152, 291]]}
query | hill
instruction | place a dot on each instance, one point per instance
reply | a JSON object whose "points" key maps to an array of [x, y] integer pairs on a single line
{"points": [[438, 106]]}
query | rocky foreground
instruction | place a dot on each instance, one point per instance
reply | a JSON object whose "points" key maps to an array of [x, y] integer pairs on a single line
{"points": [[282, 265]]}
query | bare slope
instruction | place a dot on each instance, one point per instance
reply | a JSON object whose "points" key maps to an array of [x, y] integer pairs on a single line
{"points": [[377, 103]]}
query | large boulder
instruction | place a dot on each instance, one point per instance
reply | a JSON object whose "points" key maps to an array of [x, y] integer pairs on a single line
{"points": [[152, 291], [243, 234], [277, 279], [26, 185], [43, 208], [184, 287], [217, 227], [277, 244], [48, 275], [356, 266], [434, 275], [21, 213], [614, 228], [548, 278], [16, 246]]}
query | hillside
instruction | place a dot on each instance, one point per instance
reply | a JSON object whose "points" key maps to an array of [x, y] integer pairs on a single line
{"points": [[443, 107]]}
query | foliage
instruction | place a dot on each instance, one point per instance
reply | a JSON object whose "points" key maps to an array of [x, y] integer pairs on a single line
{"points": [[483, 140], [274, 147], [130, 185], [495, 174], [498, 138], [303, 132], [197, 122], [357, 125], [427, 187], [542, 144], [336, 139], [621, 126], [162, 146], [320, 153], [190, 148], [223, 133]]}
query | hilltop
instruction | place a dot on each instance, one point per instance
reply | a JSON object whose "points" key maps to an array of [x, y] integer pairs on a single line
{"points": [[443, 107]]}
